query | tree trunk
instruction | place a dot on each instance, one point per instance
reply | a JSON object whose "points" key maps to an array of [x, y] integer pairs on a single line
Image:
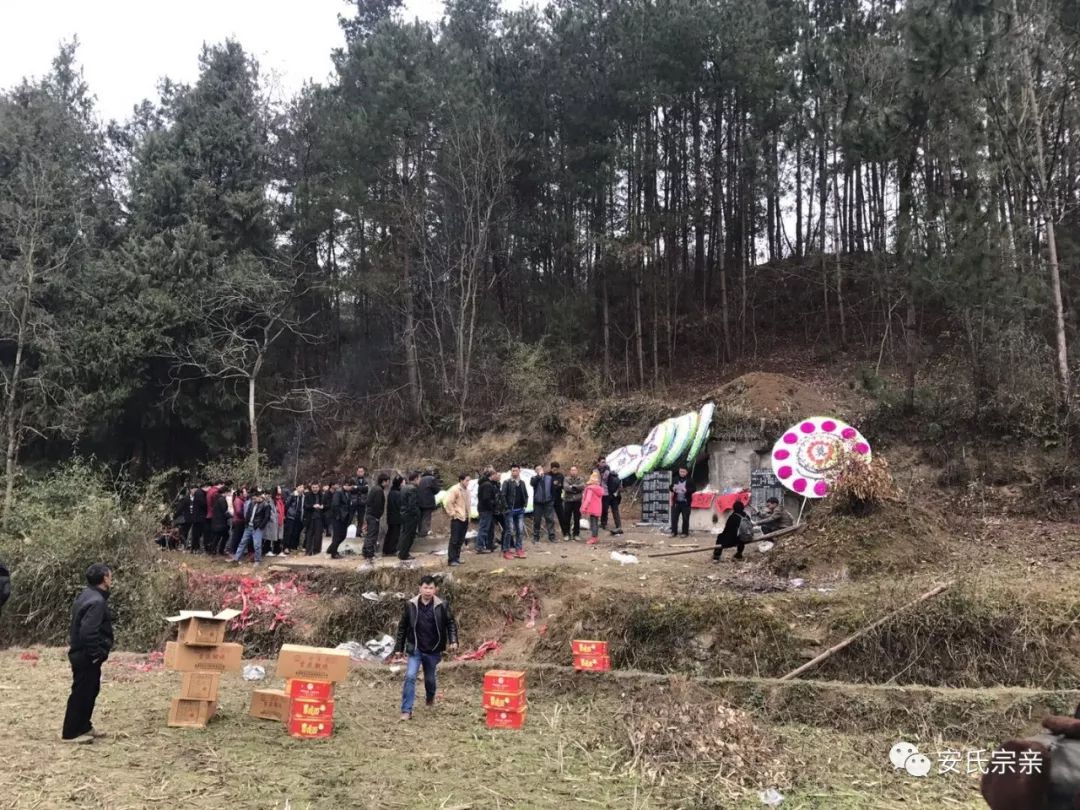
{"points": [[412, 363], [12, 427], [253, 422]]}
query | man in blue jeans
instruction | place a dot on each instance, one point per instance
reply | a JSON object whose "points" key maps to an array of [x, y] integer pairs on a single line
{"points": [[256, 516], [427, 628], [517, 498]]}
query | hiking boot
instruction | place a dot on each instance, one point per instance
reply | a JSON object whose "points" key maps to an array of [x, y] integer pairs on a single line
{"points": [[592, 541], [520, 554], [507, 555]]}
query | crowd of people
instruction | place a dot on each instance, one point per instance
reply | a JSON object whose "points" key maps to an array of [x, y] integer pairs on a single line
{"points": [[218, 518]]}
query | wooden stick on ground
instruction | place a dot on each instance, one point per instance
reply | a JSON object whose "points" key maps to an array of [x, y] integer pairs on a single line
{"points": [[836, 648], [763, 538]]}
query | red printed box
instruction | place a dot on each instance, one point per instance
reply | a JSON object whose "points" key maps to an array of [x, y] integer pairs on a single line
{"points": [[592, 663], [502, 680], [309, 690], [589, 647], [500, 719], [310, 729], [303, 709], [505, 701]]}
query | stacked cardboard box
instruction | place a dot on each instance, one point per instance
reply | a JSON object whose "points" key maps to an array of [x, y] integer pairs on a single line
{"points": [[306, 704], [504, 699], [590, 656], [201, 654]]}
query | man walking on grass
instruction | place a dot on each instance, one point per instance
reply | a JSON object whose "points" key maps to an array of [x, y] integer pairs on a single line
{"points": [[427, 628], [91, 642]]}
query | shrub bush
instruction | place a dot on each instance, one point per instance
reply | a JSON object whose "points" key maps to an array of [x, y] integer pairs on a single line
{"points": [[62, 523]]}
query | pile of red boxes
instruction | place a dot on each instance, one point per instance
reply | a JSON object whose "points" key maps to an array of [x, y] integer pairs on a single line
{"points": [[504, 699], [306, 704], [590, 656]]}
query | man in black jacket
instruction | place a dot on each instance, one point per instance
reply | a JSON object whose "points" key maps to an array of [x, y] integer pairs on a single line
{"points": [[410, 517], [256, 516], [682, 492], [219, 521], [294, 518], [517, 499], [427, 628], [376, 505], [543, 504], [200, 526], [426, 490], [91, 642], [485, 506], [361, 489], [612, 498], [340, 512]]}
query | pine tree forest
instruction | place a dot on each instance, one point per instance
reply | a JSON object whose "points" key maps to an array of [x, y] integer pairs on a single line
{"points": [[587, 199]]}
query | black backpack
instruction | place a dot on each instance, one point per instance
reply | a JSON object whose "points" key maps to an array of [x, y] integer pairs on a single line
{"points": [[5, 584]]}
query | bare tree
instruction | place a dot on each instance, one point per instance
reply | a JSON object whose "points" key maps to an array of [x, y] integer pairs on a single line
{"points": [[249, 312], [27, 213], [451, 231]]}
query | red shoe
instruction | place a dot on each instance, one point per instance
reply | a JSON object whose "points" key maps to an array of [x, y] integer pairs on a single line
{"points": [[507, 555], [592, 541], [520, 555]]}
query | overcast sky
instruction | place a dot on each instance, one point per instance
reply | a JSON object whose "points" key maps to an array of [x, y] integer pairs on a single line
{"points": [[126, 46]]}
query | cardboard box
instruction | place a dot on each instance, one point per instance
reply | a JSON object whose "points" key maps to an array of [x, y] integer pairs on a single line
{"points": [[303, 709], [185, 658], [498, 719], [505, 701], [310, 729], [191, 713], [501, 680], [309, 690], [588, 647], [592, 663], [314, 663], [201, 627], [270, 704], [200, 685]]}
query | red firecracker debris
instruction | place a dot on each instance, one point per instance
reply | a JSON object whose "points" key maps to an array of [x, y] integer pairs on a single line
{"points": [[30, 656], [263, 603], [480, 652]]}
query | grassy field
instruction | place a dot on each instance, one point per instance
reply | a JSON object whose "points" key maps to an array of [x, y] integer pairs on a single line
{"points": [[575, 751]]}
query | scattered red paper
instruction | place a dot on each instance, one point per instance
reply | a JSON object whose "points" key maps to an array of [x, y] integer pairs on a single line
{"points": [[542, 630], [262, 603], [534, 606], [32, 657], [480, 652], [155, 660]]}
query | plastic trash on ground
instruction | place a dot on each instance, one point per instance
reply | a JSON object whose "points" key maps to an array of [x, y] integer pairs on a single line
{"points": [[624, 559], [350, 533], [771, 797], [765, 545], [797, 582], [381, 648], [371, 596], [356, 651], [253, 672]]}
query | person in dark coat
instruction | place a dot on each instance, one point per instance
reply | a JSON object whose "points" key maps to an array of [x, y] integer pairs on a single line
{"points": [[239, 501], [200, 524], [361, 489], [730, 536], [256, 518], [682, 491], [376, 506], [561, 515], [393, 517], [182, 510], [427, 489], [91, 643], [410, 517], [294, 517], [485, 506], [426, 630], [313, 525], [219, 522], [340, 512], [612, 484]]}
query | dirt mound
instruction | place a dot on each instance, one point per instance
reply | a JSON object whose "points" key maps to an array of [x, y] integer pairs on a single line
{"points": [[709, 744], [895, 538], [773, 395]]}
